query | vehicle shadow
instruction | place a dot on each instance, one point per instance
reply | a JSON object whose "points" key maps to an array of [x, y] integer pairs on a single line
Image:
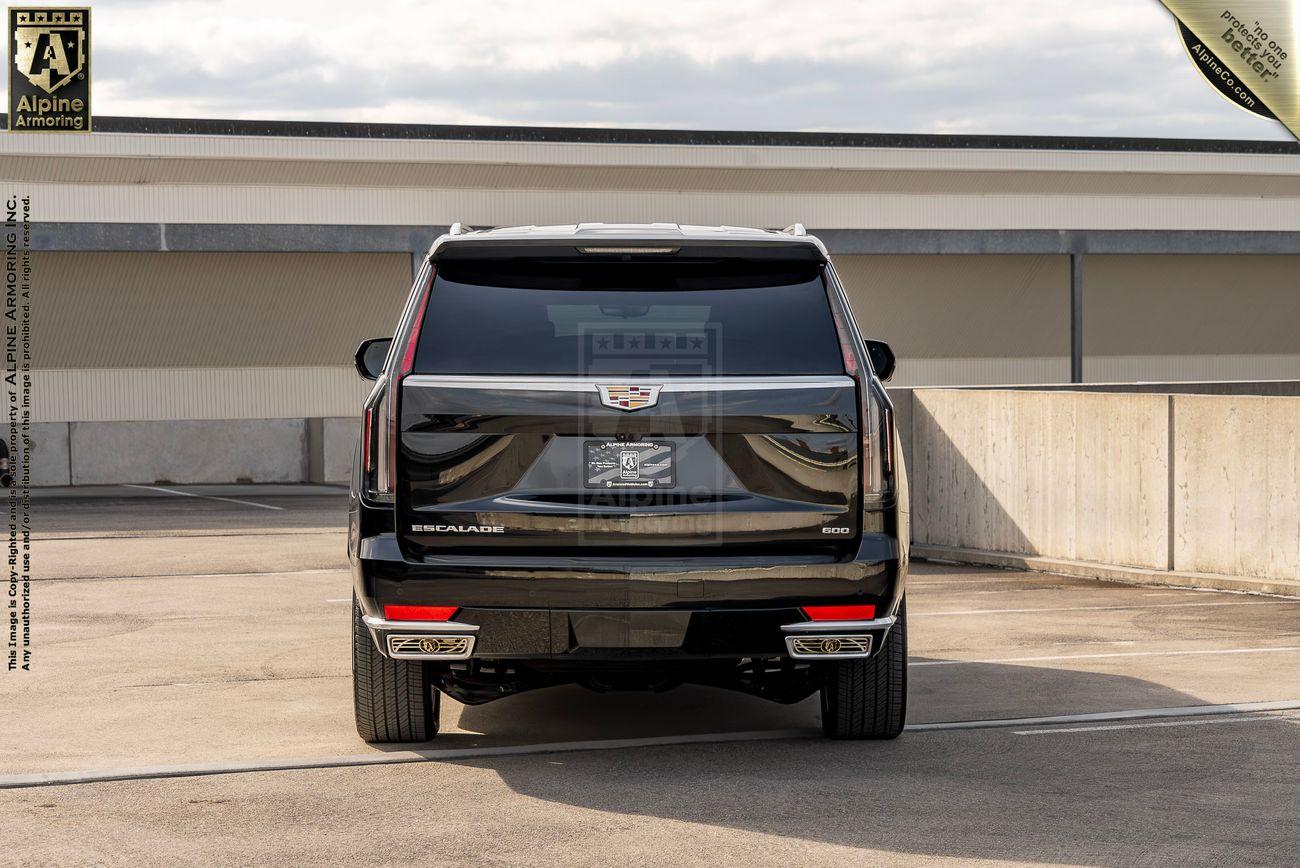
{"points": [[1165, 794], [939, 691]]}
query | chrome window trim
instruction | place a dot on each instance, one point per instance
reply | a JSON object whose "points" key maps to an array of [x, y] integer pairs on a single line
{"points": [[839, 626], [590, 384]]}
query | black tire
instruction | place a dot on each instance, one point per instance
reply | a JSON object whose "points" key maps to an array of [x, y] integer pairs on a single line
{"points": [[393, 699], [868, 698]]}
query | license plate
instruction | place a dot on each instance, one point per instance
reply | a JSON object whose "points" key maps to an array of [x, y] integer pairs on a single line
{"points": [[618, 464]]}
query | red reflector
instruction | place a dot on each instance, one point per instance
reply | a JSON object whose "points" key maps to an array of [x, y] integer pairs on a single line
{"points": [[420, 613], [840, 613]]}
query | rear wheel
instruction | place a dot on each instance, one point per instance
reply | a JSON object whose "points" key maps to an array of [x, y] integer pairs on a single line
{"points": [[393, 699], [868, 698]]}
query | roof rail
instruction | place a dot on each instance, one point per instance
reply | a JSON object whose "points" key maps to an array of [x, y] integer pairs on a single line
{"points": [[466, 229], [795, 229]]}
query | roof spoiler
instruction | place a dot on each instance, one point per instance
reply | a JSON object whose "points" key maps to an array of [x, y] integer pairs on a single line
{"points": [[659, 240]]}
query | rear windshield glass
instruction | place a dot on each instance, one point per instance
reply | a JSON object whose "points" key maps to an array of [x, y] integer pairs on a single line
{"points": [[631, 319]]}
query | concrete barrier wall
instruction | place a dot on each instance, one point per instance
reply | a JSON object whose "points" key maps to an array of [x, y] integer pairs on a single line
{"points": [[244, 450], [1236, 491], [339, 446], [1074, 476], [1162, 482], [194, 451]]}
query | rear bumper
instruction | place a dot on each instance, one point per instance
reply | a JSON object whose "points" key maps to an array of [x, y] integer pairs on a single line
{"points": [[632, 637], [643, 610], [381, 575]]}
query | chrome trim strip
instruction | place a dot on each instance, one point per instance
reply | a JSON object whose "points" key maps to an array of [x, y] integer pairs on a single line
{"points": [[590, 384], [418, 626], [839, 626], [849, 655]]}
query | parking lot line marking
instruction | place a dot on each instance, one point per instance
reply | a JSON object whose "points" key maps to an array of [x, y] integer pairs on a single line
{"points": [[1045, 579], [1245, 718], [203, 496], [135, 773], [1099, 642], [1110, 654], [305, 572], [193, 575], [45, 779], [1108, 716], [1105, 608]]}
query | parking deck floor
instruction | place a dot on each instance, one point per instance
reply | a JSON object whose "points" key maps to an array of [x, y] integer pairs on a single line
{"points": [[191, 703]]}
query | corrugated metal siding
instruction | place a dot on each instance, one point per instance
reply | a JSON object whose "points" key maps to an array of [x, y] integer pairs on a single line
{"points": [[1149, 306], [195, 310], [369, 206], [975, 371], [110, 395], [242, 179], [993, 371], [982, 320], [941, 307], [157, 336], [143, 394], [347, 150], [213, 336], [134, 170], [1191, 368]]}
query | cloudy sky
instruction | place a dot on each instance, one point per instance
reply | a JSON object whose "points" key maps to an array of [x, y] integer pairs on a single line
{"points": [[1056, 67]]}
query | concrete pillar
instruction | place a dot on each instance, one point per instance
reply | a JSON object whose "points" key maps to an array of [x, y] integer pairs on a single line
{"points": [[1076, 317]]}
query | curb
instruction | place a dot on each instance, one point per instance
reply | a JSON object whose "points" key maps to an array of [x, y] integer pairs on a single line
{"points": [[1109, 572]]}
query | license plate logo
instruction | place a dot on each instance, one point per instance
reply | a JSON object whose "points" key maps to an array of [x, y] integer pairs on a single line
{"points": [[631, 465]]}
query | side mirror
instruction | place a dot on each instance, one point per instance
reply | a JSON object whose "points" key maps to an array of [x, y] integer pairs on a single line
{"points": [[370, 357], [882, 359]]}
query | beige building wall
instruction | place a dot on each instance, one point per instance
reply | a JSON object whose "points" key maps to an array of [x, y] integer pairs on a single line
{"points": [[152, 336], [965, 320], [986, 320], [174, 336], [243, 179], [1191, 318]]}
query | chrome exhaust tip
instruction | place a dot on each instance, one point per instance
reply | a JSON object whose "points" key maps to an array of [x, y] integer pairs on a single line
{"points": [[835, 640], [426, 646], [828, 647]]}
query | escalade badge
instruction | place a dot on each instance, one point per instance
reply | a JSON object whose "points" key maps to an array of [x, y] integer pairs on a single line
{"points": [[458, 528], [629, 397]]}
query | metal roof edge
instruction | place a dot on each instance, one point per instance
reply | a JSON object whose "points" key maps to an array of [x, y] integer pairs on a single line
{"points": [[612, 135]]}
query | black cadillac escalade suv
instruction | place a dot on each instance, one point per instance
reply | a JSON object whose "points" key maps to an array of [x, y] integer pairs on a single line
{"points": [[627, 457]]}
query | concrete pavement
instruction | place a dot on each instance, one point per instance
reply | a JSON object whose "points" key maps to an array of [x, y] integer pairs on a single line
{"points": [[241, 656]]}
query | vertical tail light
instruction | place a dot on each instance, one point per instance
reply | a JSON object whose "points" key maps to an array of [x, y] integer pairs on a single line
{"points": [[875, 436], [404, 366], [382, 418], [877, 420], [368, 442]]}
